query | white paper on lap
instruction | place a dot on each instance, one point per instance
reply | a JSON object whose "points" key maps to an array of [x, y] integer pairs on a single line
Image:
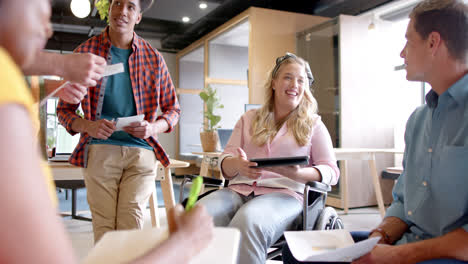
{"points": [[327, 245]]}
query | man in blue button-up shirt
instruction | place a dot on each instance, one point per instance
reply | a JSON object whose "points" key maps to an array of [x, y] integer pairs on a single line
{"points": [[428, 218]]}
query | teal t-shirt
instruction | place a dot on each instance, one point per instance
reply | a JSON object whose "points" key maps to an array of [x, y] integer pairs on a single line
{"points": [[119, 102]]}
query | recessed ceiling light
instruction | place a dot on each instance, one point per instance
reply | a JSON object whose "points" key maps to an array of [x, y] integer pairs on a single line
{"points": [[202, 5], [185, 19], [80, 8]]}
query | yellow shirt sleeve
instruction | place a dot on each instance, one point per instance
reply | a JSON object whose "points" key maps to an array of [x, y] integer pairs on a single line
{"points": [[14, 90]]}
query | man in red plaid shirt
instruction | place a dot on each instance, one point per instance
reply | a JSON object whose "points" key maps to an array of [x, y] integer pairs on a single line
{"points": [[120, 165]]}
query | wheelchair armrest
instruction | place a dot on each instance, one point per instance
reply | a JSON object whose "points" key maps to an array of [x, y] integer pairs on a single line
{"points": [[206, 180], [316, 205], [317, 187]]}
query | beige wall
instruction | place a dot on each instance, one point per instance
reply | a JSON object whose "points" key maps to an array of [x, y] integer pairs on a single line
{"points": [[167, 140]]}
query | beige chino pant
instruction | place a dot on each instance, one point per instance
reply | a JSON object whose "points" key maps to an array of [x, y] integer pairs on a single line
{"points": [[119, 181]]}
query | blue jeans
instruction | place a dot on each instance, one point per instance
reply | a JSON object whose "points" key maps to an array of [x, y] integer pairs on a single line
{"points": [[261, 220], [358, 236]]}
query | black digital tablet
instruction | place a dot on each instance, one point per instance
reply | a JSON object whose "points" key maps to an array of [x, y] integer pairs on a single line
{"points": [[281, 161]]}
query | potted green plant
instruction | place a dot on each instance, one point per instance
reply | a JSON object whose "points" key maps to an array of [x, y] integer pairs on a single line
{"points": [[103, 8], [209, 135]]}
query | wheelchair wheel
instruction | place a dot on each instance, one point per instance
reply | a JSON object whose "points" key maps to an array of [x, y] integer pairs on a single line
{"points": [[328, 220]]}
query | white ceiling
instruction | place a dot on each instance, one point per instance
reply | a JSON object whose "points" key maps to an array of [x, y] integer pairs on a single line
{"points": [[174, 10]]}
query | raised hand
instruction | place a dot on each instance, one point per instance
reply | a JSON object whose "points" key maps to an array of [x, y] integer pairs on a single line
{"points": [[83, 68]]}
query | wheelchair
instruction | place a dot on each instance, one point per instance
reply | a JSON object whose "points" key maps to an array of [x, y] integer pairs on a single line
{"points": [[315, 215]]}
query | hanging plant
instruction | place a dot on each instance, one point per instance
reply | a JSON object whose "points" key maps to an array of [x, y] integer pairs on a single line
{"points": [[103, 9]]}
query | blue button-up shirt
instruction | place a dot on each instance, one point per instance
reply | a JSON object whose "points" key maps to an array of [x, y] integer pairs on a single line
{"points": [[431, 194]]}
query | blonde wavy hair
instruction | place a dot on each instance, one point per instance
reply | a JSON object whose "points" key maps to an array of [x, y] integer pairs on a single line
{"points": [[300, 121]]}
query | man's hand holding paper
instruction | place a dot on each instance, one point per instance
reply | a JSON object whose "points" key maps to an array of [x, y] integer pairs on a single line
{"points": [[136, 126], [382, 254], [143, 129], [100, 129]]}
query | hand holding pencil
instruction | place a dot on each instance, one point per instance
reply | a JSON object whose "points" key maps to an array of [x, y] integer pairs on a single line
{"points": [[194, 226]]}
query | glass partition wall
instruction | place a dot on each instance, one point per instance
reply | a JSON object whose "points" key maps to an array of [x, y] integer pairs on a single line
{"points": [[191, 82], [320, 46], [228, 63], [222, 63]]}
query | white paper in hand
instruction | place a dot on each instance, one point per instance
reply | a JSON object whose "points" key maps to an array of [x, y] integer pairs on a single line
{"points": [[122, 122], [327, 245], [113, 69], [108, 70]]}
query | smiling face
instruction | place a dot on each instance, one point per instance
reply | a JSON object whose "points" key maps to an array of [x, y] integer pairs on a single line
{"points": [[124, 15], [289, 85], [25, 28], [416, 54]]}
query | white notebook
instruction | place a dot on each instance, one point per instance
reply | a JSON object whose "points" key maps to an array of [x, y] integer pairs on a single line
{"points": [[122, 246]]}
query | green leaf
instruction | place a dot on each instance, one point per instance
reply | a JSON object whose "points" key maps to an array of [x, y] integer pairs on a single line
{"points": [[204, 96], [211, 100], [215, 120]]}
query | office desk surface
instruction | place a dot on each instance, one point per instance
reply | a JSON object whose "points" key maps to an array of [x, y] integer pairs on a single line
{"points": [[65, 171]]}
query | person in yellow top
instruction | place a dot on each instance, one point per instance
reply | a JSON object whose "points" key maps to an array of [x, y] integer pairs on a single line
{"points": [[80, 69], [11, 76], [31, 231]]}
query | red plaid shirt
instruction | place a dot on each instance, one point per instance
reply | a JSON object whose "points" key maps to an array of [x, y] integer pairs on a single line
{"points": [[152, 88]]}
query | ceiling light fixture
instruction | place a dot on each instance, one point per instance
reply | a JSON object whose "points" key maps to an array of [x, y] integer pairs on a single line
{"points": [[372, 23], [185, 19], [80, 8], [202, 5]]}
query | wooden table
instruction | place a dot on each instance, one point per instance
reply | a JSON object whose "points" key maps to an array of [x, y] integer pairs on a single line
{"points": [[163, 174], [64, 171], [345, 154], [67, 176]]}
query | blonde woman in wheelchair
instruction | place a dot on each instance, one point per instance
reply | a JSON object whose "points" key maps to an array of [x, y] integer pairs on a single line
{"points": [[265, 202]]}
